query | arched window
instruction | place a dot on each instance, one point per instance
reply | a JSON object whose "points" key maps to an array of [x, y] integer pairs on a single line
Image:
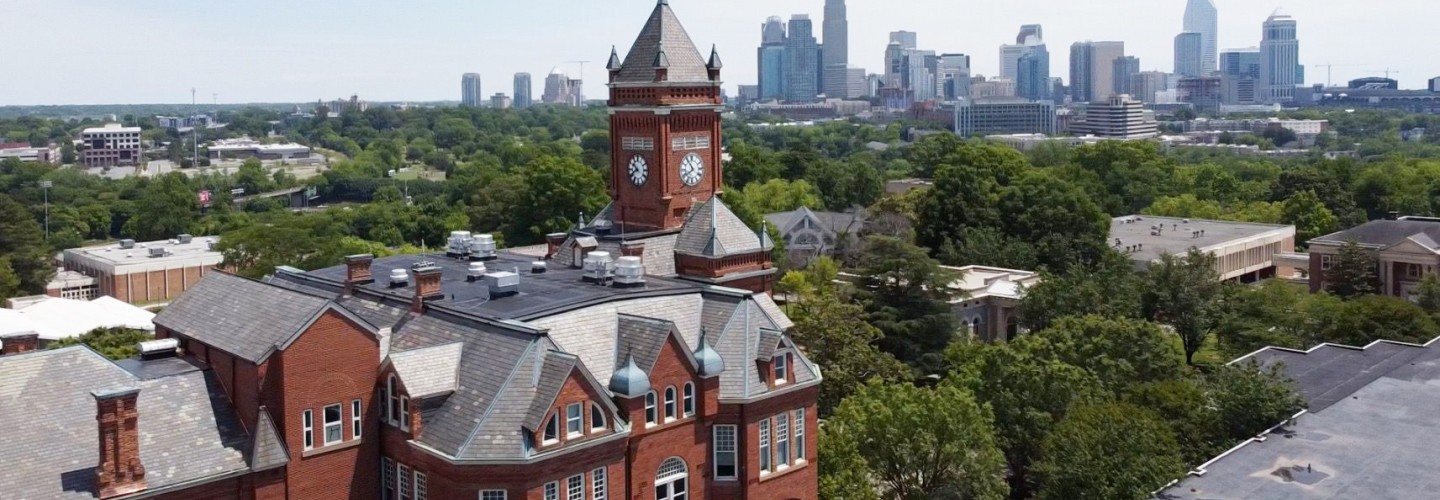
{"points": [[669, 403], [597, 417], [672, 480], [650, 408], [393, 412], [687, 403], [552, 430]]}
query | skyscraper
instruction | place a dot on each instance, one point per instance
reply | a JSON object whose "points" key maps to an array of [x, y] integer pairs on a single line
{"points": [[561, 89], [523, 91], [1189, 54], [1032, 79], [1030, 37], [1241, 63], [1279, 59], [953, 74], [1125, 68], [1092, 69], [836, 54], [771, 59], [1027, 31], [906, 39], [802, 60], [920, 69], [1201, 17], [470, 90]]}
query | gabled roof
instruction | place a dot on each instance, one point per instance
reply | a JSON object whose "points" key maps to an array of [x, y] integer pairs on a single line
{"points": [[712, 230], [1383, 233], [268, 448], [554, 369], [240, 316], [430, 371], [663, 39]]}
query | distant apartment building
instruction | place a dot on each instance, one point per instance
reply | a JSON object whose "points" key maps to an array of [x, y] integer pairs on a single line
{"points": [[110, 145], [145, 272], [1125, 68], [1201, 92], [1405, 251], [1435, 84], [183, 122], [997, 87], [343, 105], [523, 89], [1092, 69], [561, 89], [470, 90], [1280, 69], [1120, 117], [1147, 83], [1003, 115], [501, 101]]}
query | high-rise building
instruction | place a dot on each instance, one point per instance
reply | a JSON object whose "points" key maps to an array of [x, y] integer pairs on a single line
{"points": [[561, 89], [1201, 17], [802, 60], [1119, 117], [1092, 69], [1280, 69], [906, 39], [1030, 30], [1144, 85], [1032, 75], [1125, 67], [920, 70], [1241, 62], [1189, 54], [523, 91], [894, 65], [1010, 60], [501, 101], [1435, 84], [770, 58], [1003, 115], [953, 74], [1201, 92], [1030, 40], [836, 53], [470, 90]]}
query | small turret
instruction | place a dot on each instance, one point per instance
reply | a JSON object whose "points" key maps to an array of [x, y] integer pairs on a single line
{"points": [[710, 362], [713, 67], [629, 381]]}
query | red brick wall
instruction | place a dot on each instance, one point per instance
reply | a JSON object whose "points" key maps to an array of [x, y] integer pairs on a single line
{"points": [[333, 362], [797, 481], [152, 286], [664, 198], [1317, 276]]}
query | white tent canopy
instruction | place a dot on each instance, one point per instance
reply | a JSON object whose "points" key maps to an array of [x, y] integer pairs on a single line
{"points": [[57, 318]]}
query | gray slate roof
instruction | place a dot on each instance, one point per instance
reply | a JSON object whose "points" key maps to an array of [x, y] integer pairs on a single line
{"points": [[429, 371], [683, 60], [850, 222], [268, 451], [712, 230], [554, 369], [1384, 233], [50, 445], [240, 316]]}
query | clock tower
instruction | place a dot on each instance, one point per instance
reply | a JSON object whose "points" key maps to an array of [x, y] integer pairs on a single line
{"points": [[665, 107]]}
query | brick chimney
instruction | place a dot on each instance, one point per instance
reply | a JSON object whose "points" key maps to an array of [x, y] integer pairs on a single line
{"points": [[357, 272], [632, 249], [18, 343], [119, 471], [427, 287], [553, 242]]}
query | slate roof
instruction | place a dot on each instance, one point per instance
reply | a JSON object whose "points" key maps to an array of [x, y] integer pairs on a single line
{"points": [[240, 316], [1383, 233], [268, 450], [712, 230], [554, 369], [663, 39], [429, 371], [50, 443], [850, 222]]}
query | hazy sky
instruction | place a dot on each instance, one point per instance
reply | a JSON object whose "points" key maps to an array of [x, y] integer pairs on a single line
{"points": [[153, 51]]}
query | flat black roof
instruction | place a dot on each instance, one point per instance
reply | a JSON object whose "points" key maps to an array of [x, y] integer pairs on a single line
{"points": [[541, 294]]}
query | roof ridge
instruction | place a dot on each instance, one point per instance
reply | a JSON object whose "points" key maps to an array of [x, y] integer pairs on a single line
{"points": [[490, 408]]}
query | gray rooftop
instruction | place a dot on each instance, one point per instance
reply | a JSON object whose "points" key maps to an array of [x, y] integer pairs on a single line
{"points": [[663, 34], [850, 222], [188, 430], [1383, 233], [240, 316], [713, 230], [1372, 430], [1175, 237]]}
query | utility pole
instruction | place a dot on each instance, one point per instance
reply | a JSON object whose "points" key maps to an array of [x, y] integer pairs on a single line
{"points": [[194, 134], [46, 185]]}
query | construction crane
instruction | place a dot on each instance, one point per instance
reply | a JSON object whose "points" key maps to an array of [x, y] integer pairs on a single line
{"points": [[1329, 68], [582, 79], [1387, 72]]}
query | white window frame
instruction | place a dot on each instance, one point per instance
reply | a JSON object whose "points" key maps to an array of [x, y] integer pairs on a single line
{"points": [[782, 441], [1325, 262], [599, 488], [550, 434], [632, 143], [387, 478], [723, 443], [392, 407], [689, 142], [670, 404], [575, 487], [781, 367], [687, 400], [402, 485], [338, 425], [574, 424], [597, 417], [799, 436], [652, 415], [421, 486], [552, 490], [307, 423], [494, 494], [405, 412], [766, 464], [1414, 271], [355, 415]]}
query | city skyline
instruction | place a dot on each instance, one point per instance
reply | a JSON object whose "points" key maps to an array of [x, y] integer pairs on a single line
{"points": [[416, 53]]}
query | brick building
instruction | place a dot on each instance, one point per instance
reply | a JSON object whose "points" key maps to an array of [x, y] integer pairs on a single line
{"points": [[111, 145], [484, 374], [1405, 250], [139, 272]]}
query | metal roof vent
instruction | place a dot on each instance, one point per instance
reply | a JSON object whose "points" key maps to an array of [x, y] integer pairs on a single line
{"points": [[459, 244], [476, 271], [399, 278], [184, 239], [502, 283], [157, 252], [629, 271], [158, 348], [482, 247], [127, 244], [537, 267], [598, 267]]}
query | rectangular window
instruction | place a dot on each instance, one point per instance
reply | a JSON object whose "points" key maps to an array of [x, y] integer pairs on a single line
{"points": [[404, 413], [421, 485], [387, 478], [307, 419], [552, 430], [724, 443], [402, 475], [637, 143], [1324, 262], [1413, 271], [689, 142], [782, 440], [574, 420], [800, 435], [650, 408], [492, 494], [597, 485], [575, 487], [780, 369], [334, 425], [355, 419], [765, 445], [552, 491], [688, 399]]}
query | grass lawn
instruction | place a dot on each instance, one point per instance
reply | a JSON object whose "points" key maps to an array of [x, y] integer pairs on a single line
{"points": [[1209, 353]]}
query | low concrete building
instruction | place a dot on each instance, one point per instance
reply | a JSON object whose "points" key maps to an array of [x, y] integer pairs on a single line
{"points": [[145, 272], [1120, 117], [24, 152], [988, 299], [1003, 115], [249, 148], [1405, 251], [1244, 251]]}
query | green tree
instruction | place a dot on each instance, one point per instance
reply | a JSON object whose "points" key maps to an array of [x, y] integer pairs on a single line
{"points": [[916, 443], [1110, 289], [1249, 399], [166, 208], [1309, 216], [253, 178], [113, 343], [9, 282], [1427, 294], [1113, 450], [1186, 405], [1184, 292], [847, 350], [963, 197], [23, 247], [1058, 219], [906, 294], [1118, 352], [1352, 274], [556, 191]]}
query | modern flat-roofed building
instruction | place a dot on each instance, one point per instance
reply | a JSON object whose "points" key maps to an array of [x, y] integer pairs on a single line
{"points": [[49, 154], [145, 272], [1244, 251], [1003, 115], [110, 145], [1405, 251], [1119, 117], [247, 148]]}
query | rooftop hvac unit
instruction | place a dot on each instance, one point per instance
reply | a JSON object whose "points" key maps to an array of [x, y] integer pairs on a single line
{"points": [[127, 244], [184, 239], [482, 247], [502, 283], [157, 251], [598, 266], [629, 271], [537, 267], [158, 348], [476, 272], [399, 278], [459, 244]]}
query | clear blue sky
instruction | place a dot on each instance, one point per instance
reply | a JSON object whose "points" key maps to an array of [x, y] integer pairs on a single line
{"points": [[151, 51]]}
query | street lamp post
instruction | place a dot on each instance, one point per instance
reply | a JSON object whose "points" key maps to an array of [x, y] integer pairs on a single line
{"points": [[46, 185]]}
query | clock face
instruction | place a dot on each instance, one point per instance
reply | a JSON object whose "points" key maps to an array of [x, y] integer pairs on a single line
{"points": [[639, 171], [692, 168]]}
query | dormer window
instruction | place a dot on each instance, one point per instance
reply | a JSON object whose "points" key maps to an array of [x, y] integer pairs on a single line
{"points": [[574, 420], [597, 417], [552, 430], [781, 368]]}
